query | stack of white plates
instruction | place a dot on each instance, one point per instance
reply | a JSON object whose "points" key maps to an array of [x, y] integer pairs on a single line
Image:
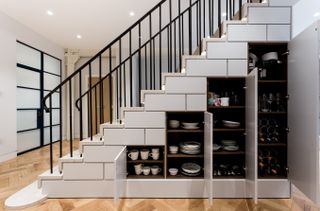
{"points": [[230, 124], [230, 145], [190, 125], [190, 147], [191, 169]]}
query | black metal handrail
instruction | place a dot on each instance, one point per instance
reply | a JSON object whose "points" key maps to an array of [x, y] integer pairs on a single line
{"points": [[188, 22]]}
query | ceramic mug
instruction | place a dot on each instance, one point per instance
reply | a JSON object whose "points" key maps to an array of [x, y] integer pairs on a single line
{"points": [[144, 153], [224, 101], [155, 150], [155, 170], [155, 155], [138, 168], [146, 170], [134, 154]]}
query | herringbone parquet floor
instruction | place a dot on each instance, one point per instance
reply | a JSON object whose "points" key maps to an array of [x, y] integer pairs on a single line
{"points": [[21, 171]]}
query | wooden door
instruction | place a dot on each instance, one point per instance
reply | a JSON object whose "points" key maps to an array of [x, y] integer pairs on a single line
{"points": [[96, 104]]}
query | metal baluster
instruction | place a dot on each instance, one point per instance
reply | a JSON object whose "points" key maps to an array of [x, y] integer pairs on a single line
{"points": [[150, 34], [60, 120], [80, 99], [170, 32], [120, 75], [175, 46], [90, 100], [117, 92], [204, 18], [101, 97], [70, 115], [180, 50], [145, 68], [154, 64], [210, 19], [124, 86], [197, 22], [110, 85], [182, 38], [160, 45], [168, 49], [51, 150], [95, 109], [130, 53], [240, 9], [200, 22], [139, 72], [219, 17], [190, 29]]}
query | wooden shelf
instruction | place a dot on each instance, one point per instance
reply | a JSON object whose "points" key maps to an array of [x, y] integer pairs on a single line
{"points": [[272, 113], [272, 144], [181, 176], [145, 161], [222, 152], [185, 131], [180, 155], [226, 107], [272, 81], [228, 129], [229, 177], [273, 177], [145, 176]]}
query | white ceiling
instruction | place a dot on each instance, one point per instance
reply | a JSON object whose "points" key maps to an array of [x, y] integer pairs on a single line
{"points": [[98, 21]]}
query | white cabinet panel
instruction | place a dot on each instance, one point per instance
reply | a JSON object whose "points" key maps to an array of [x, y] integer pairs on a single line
{"points": [[269, 15], [229, 188], [196, 102], [155, 137], [280, 2], [225, 50], [303, 112], [208, 68], [123, 136], [120, 174], [274, 188], [208, 168], [247, 33], [237, 68], [145, 119], [109, 171], [252, 136], [279, 32], [158, 102], [183, 85], [82, 171], [101, 153]]}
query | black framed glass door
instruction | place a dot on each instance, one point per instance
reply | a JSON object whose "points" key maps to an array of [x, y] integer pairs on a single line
{"points": [[37, 74]]}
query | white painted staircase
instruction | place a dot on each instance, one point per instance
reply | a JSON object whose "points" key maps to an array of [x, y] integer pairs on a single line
{"points": [[97, 174]]}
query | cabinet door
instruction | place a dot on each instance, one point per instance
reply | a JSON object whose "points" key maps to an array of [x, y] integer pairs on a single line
{"points": [[251, 137], [120, 174], [208, 126], [303, 112]]}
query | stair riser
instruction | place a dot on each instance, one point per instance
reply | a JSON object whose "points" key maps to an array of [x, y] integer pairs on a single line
{"points": [[144, 120], [83, 171], [269, 15], [186, 85]]}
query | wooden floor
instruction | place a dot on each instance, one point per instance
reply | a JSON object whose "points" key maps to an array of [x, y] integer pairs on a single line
{"points": [[21, 171]]}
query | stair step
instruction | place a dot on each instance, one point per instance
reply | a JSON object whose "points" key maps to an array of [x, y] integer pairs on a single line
{"points": [[144, 92], [187, 57], [165, 75], [76, 158], [95, 141], [130, 109], [56, 175]]}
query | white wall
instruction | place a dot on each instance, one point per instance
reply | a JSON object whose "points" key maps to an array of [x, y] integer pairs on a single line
{"points": [[303, 15], [10, 31]]}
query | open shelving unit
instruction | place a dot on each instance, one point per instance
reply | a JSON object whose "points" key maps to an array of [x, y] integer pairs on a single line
{"points": [[176, 136], [272, 111], [225, 162]]}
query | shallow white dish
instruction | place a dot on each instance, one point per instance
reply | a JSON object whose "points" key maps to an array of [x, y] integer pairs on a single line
{"points": [[191, 128], [191, 168], [231, 148], [228, 142], [216, 147], [190, 174], [190, 145], [190, 124], [226, 122]]}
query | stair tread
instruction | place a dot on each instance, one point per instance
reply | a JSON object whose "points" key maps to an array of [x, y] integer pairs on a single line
{"points": [[47, 174]]}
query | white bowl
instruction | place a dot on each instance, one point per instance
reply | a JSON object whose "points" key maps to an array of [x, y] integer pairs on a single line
{"points": [[174, 123], [270, 56], [173, 171], [173, 149], [190, 124]]}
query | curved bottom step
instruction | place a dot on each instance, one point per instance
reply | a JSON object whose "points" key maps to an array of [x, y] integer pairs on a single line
{"points": [[26, 197]]}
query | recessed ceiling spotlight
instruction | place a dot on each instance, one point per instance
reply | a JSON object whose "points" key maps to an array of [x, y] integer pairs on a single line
{"points": [[224, 14], [79, 36], [49, 12], [131, 14], [317, 14]]}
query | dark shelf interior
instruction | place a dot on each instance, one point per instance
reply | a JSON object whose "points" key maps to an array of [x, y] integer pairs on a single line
{"points": [[223, 152], [145, 176], [180, 155], [145, 161], [181, 130]]}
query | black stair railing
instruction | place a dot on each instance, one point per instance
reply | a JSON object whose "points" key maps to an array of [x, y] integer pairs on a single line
{"points": [[135, 61]]}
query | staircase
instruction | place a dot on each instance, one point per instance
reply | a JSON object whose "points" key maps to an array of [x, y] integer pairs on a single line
{"points": [[140, 97]]}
